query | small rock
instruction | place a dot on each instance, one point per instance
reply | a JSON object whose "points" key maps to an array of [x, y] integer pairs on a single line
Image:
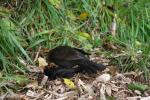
{"points": [[137, 92], [103, 78]]}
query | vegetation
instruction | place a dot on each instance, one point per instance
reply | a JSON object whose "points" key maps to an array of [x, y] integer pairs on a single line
{"points": [[26, 25]]}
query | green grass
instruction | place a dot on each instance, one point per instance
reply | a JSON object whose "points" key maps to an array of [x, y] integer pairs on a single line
{"points": [[31, 24], [134, 32], [10, 50]]}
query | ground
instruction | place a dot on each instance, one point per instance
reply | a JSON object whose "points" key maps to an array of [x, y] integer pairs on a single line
{"points": [[110, 84]]}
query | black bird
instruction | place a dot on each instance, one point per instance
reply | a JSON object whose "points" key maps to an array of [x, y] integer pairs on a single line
{"points": [[58, 72], [67, 58]]}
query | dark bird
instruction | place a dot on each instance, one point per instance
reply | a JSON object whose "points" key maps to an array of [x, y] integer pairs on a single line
{"points": [[70, 61], [58, 72]]}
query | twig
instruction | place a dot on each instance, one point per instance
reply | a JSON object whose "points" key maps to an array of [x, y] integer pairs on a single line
{"points": [[44, 80], [37, 54], [54, 93]]}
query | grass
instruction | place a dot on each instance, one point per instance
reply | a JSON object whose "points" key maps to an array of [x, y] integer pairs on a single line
{"points": [[10, 50], [136, 37], [29, 24]]}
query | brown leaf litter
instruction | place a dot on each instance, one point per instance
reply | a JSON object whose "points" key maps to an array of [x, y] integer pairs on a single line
{"points": [[106, 85]]}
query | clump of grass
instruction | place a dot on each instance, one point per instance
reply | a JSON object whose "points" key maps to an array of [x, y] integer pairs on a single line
{"points": [[10, 50], [134, 32]]}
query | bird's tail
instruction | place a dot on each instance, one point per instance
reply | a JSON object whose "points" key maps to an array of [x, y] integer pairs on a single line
{"points": [[90, 66]]}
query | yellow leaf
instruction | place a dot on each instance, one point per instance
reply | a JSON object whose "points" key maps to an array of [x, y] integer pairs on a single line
{"points": [[84, 34], [83, 16], [42, 63], [56, 3], [69, 83]]}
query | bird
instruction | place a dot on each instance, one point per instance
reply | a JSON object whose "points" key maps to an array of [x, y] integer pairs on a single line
{"points": [[70, 61], [58, 72]]}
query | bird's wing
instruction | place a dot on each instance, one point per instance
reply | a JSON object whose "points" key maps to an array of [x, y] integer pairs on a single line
{"points": [[70, 55], [66, 54]]}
